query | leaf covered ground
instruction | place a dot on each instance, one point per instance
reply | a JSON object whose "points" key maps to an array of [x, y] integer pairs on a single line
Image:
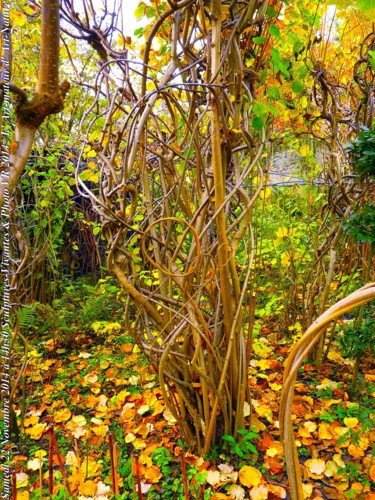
{"points": [[98, 388]]}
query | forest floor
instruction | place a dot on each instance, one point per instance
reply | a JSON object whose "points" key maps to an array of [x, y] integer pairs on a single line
{"points": [[99, 399]]}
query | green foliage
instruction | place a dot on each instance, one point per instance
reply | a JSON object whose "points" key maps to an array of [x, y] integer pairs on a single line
{"points": [[79, 306], [362, 152], [355, 340], [361, 224], [243, 447]]}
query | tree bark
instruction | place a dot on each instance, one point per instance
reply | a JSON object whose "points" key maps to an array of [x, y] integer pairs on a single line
{"points": [[47, 99]]}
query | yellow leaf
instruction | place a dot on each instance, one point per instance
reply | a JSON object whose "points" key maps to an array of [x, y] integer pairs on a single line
{"points": [[338, 460], [264, 411], [264, 364], [324, 432], [307, 428], [331, 468], [303, 102], [100, 430], [282, 232], [40, 454], [307, 490], [139, 444], [30, 420], [62, 415], [304, 151], [129, 438], [153, 474], [36, 431], [351, 422], [18, 19], [265, 193], [23, 495], [250, 476], [21, 480], [88, 488], [275, 387], [79, 420], [285, 259]]}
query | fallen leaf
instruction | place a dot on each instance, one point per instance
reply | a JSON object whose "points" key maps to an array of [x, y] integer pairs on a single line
{"points": [[34, 464], [315, 466], [276, 490], [88, 487], [259, 492], [338, 460], [23, 495], [36, 431], [351, 422], [236, 492], [213, 477], [331, 468], [62, 415], [31, 420], [324, 432], [250, 476], [169, 417], [307, 490], [102, 489], [153, 474], [355, 451], [22, 480], [71, 459]]}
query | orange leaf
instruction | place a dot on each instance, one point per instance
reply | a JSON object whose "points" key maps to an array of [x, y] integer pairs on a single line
{"points": [[355, 451], [153, 474]]}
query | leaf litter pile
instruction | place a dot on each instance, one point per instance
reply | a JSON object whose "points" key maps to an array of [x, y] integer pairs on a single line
{"points": [[95, 426]]}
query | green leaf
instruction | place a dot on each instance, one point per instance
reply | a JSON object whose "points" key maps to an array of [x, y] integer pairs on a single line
{"points": [[365, 5], [139, 11], [273, 110], [274, 30], [275, 54], [298, 46], [139, 32], [259, 109], [230, 439], [258, 123], [259, 39], [282, 68], [298, 87], [274, 93]]}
